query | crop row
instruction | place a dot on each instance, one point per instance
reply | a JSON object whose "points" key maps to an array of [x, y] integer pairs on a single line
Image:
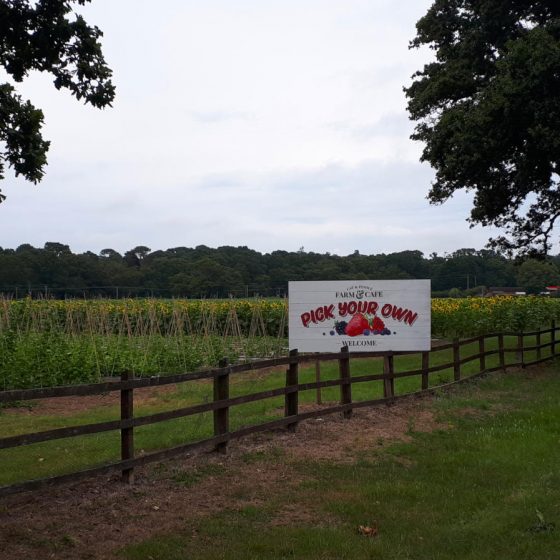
{"points": [[49, 342], [250, 318], [474, 316], [140, 317]]}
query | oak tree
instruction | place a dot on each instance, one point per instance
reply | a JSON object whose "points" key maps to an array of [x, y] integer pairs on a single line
{"points": [[45, 36], [487, 109]]}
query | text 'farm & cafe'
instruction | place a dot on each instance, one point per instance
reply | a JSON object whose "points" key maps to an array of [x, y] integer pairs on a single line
{"points": [[364, 315]]}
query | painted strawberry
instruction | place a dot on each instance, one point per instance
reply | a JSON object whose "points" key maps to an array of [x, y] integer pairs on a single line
{"points": [[377, 324], [357, 325]]}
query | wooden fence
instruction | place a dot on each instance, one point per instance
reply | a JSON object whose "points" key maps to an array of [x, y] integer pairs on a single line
{"points": [[222, 403]]}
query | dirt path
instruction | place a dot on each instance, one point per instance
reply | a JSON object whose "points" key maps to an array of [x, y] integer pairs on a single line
{"points": [[69, 406], [93, 519]]}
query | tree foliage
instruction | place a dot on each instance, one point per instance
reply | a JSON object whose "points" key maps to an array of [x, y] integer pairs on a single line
{"points": [[488, 110], [203, 272], [45, 36]]}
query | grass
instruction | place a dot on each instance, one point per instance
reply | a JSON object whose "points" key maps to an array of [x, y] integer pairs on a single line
{"points": [[63, 456], [486, 487]]}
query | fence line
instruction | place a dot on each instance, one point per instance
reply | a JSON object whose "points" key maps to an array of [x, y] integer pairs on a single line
{"points": [[222, 402]]}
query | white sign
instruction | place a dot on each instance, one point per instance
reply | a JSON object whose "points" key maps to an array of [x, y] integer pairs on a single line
{"points": [[364, 315]]}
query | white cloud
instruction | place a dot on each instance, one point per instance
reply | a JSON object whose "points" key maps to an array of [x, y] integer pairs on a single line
{"points": [[268, 124]]}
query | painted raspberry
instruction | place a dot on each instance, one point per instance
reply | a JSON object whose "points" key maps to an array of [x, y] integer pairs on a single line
{"points": [[377, 324]]}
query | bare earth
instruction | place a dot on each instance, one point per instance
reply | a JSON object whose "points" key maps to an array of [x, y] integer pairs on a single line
{"points": [[94, 518], [68, 406]]}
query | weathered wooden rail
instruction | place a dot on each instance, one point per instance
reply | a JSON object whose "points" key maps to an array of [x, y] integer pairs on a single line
{"points": [[222, 402]]}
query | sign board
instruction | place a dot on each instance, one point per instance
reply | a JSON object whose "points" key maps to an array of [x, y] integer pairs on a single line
{"points": [[365, 315]]}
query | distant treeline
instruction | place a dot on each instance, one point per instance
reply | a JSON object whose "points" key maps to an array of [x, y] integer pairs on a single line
{"points": [[204, 272]]}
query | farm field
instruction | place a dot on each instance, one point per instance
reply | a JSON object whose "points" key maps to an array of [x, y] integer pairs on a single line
{"points": [[470, 474], [53, 342], [58, 457]]}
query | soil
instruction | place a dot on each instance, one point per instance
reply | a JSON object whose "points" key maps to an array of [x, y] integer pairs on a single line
{"points": [[144, 396], [69, 406], [94, 519]]}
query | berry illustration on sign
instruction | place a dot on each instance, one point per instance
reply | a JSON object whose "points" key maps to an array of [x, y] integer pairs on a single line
{"points": [[357, 325], [327, 315]]}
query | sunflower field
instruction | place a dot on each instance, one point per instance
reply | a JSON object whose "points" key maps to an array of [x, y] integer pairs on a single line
{"points": [[454, 317]]}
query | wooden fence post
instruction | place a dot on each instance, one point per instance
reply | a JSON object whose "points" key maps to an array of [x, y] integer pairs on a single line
{"points": [[345, 386], [553, 338], [221, 415], [481, 351], [425, 367], [388, 380], [520, 356], [318, 380], [127, 434], [291, 399], [456, 360], [539, 355], [501, 352]]}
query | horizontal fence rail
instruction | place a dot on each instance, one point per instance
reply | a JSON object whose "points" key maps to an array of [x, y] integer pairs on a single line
{"points": [[222, 402]]}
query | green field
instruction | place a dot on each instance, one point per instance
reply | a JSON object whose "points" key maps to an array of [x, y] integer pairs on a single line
{"points": [[486, 486], [70, 454]]}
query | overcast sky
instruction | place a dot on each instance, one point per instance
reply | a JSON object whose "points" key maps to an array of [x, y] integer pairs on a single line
{"points": [[276, 124]]}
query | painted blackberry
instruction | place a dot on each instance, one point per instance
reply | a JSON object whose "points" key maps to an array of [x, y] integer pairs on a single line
{"points": [[340, 327]]}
